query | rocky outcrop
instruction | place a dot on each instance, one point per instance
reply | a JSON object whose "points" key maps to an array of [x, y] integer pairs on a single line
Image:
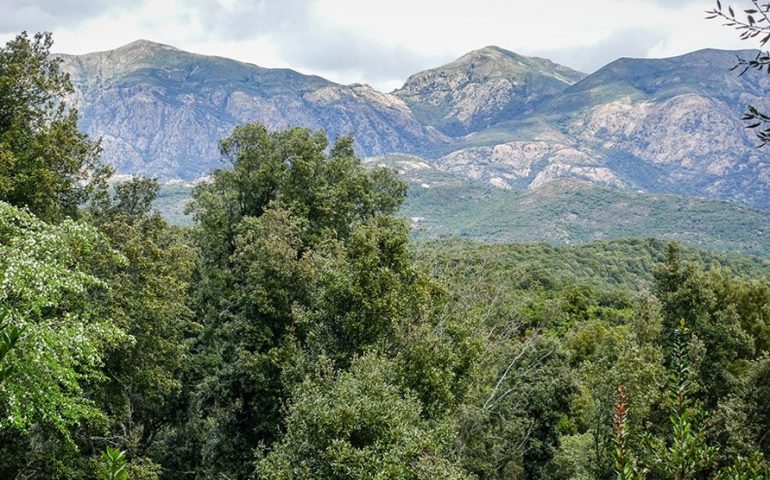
{"points": [[161, 111], [657, 125], [482, 88]]}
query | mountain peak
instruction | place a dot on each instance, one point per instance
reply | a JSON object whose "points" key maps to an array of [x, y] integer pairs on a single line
{"points": [[491, 52], [145, 44], [483, 87], [143, 48], [492, 62]]}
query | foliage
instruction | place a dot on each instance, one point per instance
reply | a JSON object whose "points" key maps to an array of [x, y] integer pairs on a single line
{"points": [[147, 299], [512, 430], [688, 454], [46, 164], [360, 424], [8, 337], [753, 468], [46, 283], [726, 316], [114, 464], [57, 363], [752, 23], [299, 258]]}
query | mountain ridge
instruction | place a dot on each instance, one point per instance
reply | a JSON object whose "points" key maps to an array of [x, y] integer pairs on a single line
{"points": [[482, 87], [667, 125], [161, 111]]}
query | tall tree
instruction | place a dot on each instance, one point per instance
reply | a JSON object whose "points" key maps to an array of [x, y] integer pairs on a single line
{"points": [[147, 298], [298, 252], [47, 294], [46, 164]]}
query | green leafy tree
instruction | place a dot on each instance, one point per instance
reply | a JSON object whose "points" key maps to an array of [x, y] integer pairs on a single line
{"points": [[360, 424], [148, 299], [47, 292], [46, 164], [685, 452], [618, 355], [509, 424], [687, 455], [727, 316], [299, 258], [743, 420]]}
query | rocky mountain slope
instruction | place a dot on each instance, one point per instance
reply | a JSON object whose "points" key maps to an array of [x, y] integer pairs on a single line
{"points": [[482, 88], [667, 126], [161, 111]]}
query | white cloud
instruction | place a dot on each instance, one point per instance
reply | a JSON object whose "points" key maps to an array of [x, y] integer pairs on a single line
{"points": [[378, 42]]}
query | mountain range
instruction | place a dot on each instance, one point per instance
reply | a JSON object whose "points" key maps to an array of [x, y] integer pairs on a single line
{"points": [[668, 126], [161, 111], [503, 147], [664, 126]]}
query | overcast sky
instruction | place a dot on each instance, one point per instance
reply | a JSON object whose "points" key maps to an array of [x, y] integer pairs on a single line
{"points": [[379, 42]]}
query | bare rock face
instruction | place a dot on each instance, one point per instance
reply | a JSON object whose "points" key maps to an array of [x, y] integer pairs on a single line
{"points": [[483, 87], [512, 161], [611, 121], [530, 165], [594, 174], [689, 131], [161, 111], [664, 126]]}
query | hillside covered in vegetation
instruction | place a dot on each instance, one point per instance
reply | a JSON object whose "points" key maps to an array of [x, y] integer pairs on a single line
{"points": [[295, 331]]}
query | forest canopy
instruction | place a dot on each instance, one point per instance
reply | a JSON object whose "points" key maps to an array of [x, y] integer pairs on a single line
{"points": [[296, 332]]}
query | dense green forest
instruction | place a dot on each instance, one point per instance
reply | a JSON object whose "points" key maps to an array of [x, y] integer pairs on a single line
{"points": [[563, 213], [294, 331]]}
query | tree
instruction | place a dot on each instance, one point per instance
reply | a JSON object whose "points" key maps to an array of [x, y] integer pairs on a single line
{"points": [[299, 258], [360, 424], [47, 294], [752, 23], [46, 164], [727, 317], [686, 454], [147, 298]]}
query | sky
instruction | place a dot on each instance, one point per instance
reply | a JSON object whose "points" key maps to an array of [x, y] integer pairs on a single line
{"points": [[379, 42]]}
